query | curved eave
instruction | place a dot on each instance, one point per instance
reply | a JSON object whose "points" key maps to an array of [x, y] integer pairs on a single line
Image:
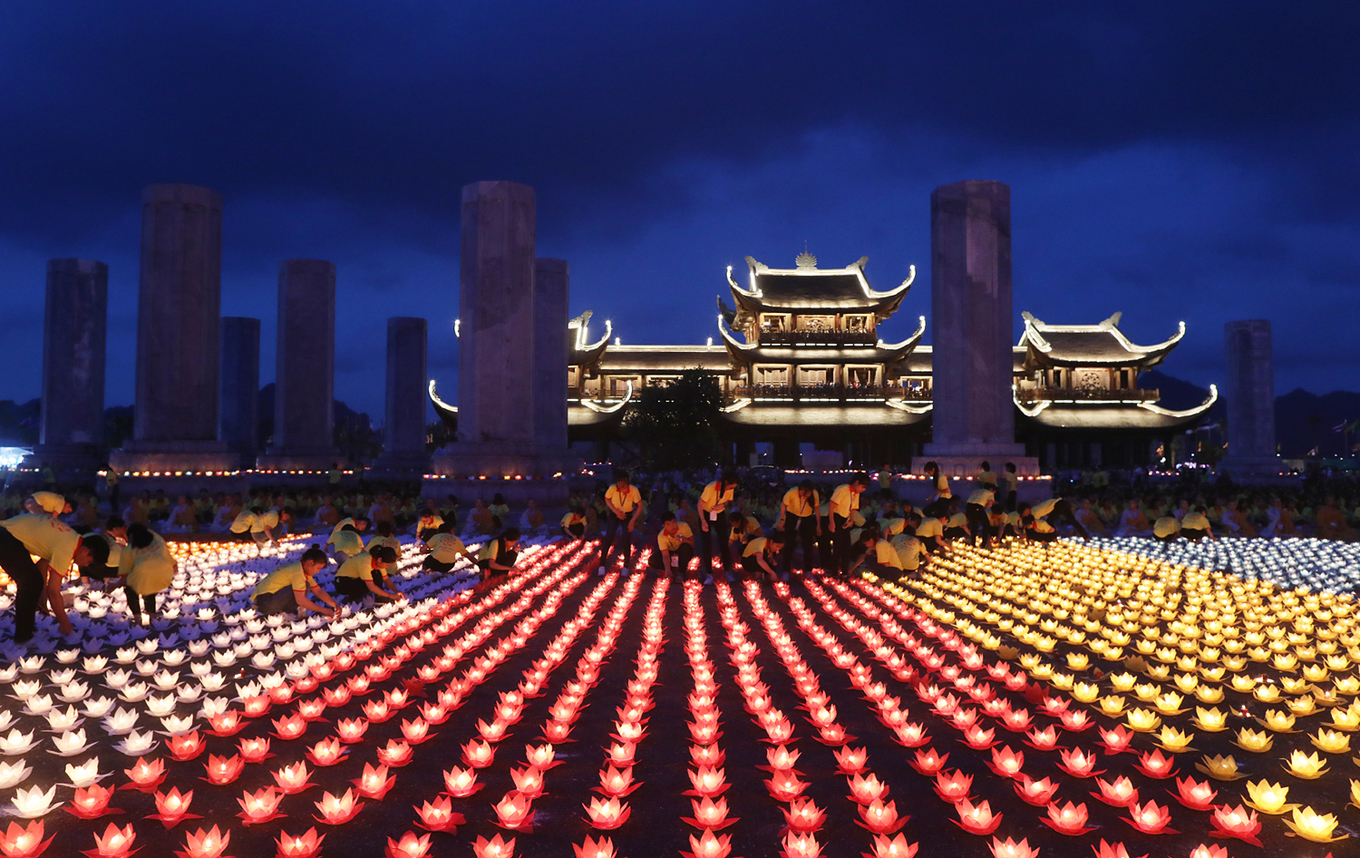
{"points": [[1040, 351], [447, 413], [754, 301], [739, 352], [579, 416], [906, 346], [1111, 415]]}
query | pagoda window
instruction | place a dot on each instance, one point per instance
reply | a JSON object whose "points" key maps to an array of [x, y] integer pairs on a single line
{"points": [[573, 377], [861, 376], [1089, 380], [815, 324], [772, 375], [660, 380], [775, 323], [816, 376], [1124, 380], [859, 324]]}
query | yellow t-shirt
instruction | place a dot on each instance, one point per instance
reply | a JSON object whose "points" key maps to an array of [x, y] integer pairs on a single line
{"points": [[51, 502], [909, 552], [245, 521], [755, 546], [891, 526], [290, 574], [1166, 526], [431, 524], [981, 497], [1194, 521], [268, 521], [45, 538], [942, 487], [958, 519], [883, 549], [359, 566], [1043, 508], [390, 541], [148, 570], [795, 504], [573, 518], [667, 542], [929, 527], [339, 526], [349, 542], [748, 527], [844, 501], [624, 500], [714, 504], [446, 548]]}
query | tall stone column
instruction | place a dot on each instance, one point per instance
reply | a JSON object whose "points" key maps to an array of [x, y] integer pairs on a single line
{"points": [[239, 419], [304, 381], [407, 405], [510, 330], [1250, 400], [75, 324], [971, 316], [178, 308], [551, 289]]}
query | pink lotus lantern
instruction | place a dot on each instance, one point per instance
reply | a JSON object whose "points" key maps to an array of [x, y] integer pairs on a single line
{"points": [[803, 816], [187, 746], [709, 845], [146, 774], [281, 694], [224, 770], [460, 782], [953, 787], [205, 844], [1078, 763], [301, 846], [493, 732], [1077, 720], [256, 706], [615, 782], [478, 754], [1208, 851], [290, 727], [351, 730], [337, 810], [866, 790], [1196, 796], [1236, 822], [311, 710], [493, 848], [327, 752], [1116, 741], [1150, 818], [395, 753], [90, 802], [1043, 740], [602, 848], [621, 753], [27, 842], [410, 846], [1069, 819], [977, 819], [1112, 850], [260, 806], [557, 732], [337, 696], [801, 846], [1006, 763], [254, 750], [514, 812], [779, 757], [293, 779], [1121, 793], [911, 735], [928, 762], [541, 756], [1037, 793], [785, 785], [707, 781], [1156, 765], [897, 847], [377, 711], [114, 843], [374, 783], [1008, 848], [416, 731], [528, 781], [439, 816], [608, 814], [1018, 721], [172, 807], [881, 818], [228, 723], [851, 761]]}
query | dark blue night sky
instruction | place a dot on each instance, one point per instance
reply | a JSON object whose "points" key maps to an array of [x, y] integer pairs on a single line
{"points": [[1173, 161]]}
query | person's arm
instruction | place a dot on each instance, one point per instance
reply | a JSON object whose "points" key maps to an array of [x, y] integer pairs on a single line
{"points": [[760, 560], [379, 591], [324, 596], [637, 513], [303, 601], [779, 519]]}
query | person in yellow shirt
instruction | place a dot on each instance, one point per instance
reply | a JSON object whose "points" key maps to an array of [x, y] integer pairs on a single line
{"points": [[57, 547], [985, 478], [497, 557], [428, 523], [975, 511], [1195, 525], [743, 527], [844, 504], [384, 536], [574, 524], [675, 546], [799, 522], [285, 590], [956, 526], [714, 502], [761, 554], [911, 553], [930, 530], [47, 503], [366, 574], [624, 502], [1166, 529], [445, 549], [145, 567]]}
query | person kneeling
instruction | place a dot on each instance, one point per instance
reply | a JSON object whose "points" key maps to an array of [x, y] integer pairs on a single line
{"points": [[675, 546], [145, 567], [497, 557], [285, 589], [761, 554], [365, 574], [445, 549]]}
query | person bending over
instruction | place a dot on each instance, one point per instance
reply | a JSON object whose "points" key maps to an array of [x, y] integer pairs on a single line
{"points": [[625, 508], [286, 589], [145, 568], [799, 522], [365, 574], [761, 555], [37, 551], [445, 549], [674, 546], [714, 502], [497, 557], [574, 524], [844, 504]]}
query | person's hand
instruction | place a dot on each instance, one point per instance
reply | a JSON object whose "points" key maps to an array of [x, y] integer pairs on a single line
{"points": [[703, 525]]}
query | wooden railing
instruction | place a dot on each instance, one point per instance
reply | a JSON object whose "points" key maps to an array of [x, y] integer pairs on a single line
{"points": [[1048, 394], [838, 392]]}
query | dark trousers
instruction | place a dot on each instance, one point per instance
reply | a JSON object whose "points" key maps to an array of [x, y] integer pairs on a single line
{"points": [[932, 543], [278, 602], [1010, 501], [840, 545], [135, 603], [505, 558], [1190, 533], [355, 590], [434, 565], [685, 553], [937, 507], [28, 583], [717, 533], [616, 532], [978, 522], [802, 530]]}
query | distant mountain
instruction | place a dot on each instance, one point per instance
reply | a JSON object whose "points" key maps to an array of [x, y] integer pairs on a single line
{"points": [[1306, 420], [19, 422]]}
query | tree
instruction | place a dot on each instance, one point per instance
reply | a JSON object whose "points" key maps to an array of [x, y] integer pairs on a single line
{"points": [[675, 424]]}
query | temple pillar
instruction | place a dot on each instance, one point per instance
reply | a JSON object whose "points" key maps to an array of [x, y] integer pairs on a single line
{"points": [[407, 405], [304, 381], [971, 319], [239, 384], [71, 433], [178, 308], [510, 331], [1250, 401]]}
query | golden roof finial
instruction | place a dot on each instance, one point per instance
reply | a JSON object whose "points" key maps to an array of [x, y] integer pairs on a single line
{"points": [[805, 261]]}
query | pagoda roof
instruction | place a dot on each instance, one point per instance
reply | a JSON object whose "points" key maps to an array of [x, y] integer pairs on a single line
{"points": [[1088, 345], [1112, 415], [808, 288], [881, 352], [582, 351], [645, 359]]}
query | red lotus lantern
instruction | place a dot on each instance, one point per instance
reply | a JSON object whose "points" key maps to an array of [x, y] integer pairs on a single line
{"points": [[541, 756], [1116, 741], [146, 774], [1196, 796], [514, 812], [257, 706], [1006, 763], [1079, 763], [866, 790], [1156, 765], [461, 782], [27, 842], [90, 802], [395, 753], [1236, 822], [528, 781], [410, 846], [707, 781], [301, 846], [351, 730], [227, 723], [897, 847], [260, 806], [709, 845], [416, 731], [803, 815], [478, 754], [1043, 740], [801, 846], [1112, 850], [976, 819], [953, 787], [439, 816], [1121, 793], [172, 807], [607, 814], [851, 761], [205, 844], [187, 746], [1150, 818], [493, 848], [911, 735], [224, 770], [1070, 819], [290, 727], [374, 783], [293, 779], [114, 843], [254, 750], [614, 782], [928, 762], [1037, 793], [602, 848], [327, 752], [881, 818], [1008, 848], [337, 810]]}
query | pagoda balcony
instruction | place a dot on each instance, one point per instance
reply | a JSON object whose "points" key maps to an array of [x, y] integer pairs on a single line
{"points": [[1028, 395], [780, 339], [827, 393]]}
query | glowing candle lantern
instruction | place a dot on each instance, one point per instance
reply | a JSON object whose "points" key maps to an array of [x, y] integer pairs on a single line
{"points": [[1156, 765], [187, 746], [1194, 795], [1311, 825], [617, 782], [478, 754], [881, 818], [460, 782], [290, 727], [254, 750], [928, 762], [897, 847], [514, 812], [1268, 797], [374, 783], [1121, 793], [146, 775], [528, 781], [785, 785], [1006, 763], [1078, 763], [1305, 766], [439, 816], [1210, 720], [409, 846], [707, 781], [90, 802], [952, 787], [337, 810], [300, 846], [327, 752], [1150, 818], [114, 843], [1331, 741], [607, 814], [28, 842], [293, 779], [260, 806], [1069, 819], [172, 807], [977, 819], [224, 770], [851, 761], [205, 844], [709, 845], [351, 730], [1236, 822]]}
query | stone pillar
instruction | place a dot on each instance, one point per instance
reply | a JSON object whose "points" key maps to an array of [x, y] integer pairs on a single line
{"points": [[238, 421], [974, 412], [304, 381], [407, 403], [178, 308], [551, 288], [505, 341], [71, 435], [1250, 400]]}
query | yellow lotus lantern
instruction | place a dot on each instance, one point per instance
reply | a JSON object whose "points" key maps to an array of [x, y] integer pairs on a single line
{"points": [[1302, 705], [1346, 719], [1219, 768], [1306, 766], [1170, 703], [1331, 742], [1315, 672], [1209, 694], [1210, 720], [1187, 682], [1347, 685], [1078, 660], [1123, 681], [1174, 740], [1112, 705], [1147, 691], [1266, 693], [1063, 681], [1158, 671], [1213, 674], [1257, 742], [1268, 797], [1279, 720], [1311, 825], [1143, 720], [1294, 684], [1086, 692]]}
